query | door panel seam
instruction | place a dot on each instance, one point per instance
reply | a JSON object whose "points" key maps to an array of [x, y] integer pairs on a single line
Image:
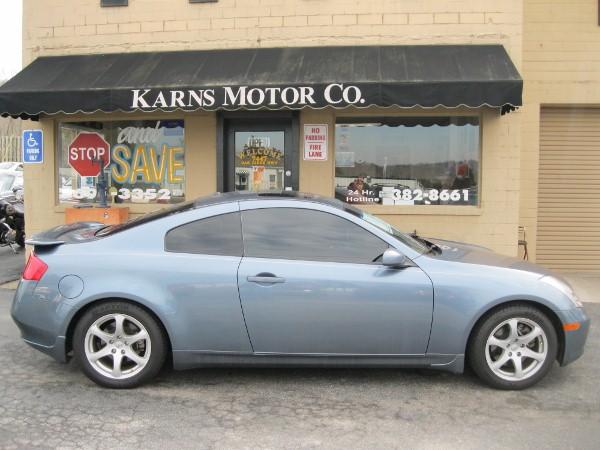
{"points": [[238, 279]]}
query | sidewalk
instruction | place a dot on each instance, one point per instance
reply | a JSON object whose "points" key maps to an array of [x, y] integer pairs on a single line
{"points": [[586, 285]]}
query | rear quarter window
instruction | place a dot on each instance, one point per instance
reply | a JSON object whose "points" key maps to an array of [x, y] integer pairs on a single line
{"points": [[217, 235]]}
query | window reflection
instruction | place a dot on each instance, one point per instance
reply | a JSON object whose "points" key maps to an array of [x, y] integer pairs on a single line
{"points": [[259, 161], [147, 162], [408, 161], [303, 234]]}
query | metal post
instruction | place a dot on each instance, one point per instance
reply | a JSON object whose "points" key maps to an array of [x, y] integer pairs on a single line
{"points": [[102, 185]]}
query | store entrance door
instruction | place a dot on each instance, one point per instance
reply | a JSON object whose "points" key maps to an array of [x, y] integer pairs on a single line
{"points": [[260, 156]]}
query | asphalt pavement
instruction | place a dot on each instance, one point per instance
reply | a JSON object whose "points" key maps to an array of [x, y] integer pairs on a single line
{"points": [[46, 404], [11, 264]]}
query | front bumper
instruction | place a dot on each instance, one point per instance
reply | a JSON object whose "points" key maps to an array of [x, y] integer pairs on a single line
{"points": [[574, 342]]}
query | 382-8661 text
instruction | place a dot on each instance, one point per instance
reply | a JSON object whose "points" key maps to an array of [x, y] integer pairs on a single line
{"points": [[444, 195], [433, 195]]}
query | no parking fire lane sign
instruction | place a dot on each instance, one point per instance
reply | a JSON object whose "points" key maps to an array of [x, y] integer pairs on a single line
{"points": [[315, 142]]}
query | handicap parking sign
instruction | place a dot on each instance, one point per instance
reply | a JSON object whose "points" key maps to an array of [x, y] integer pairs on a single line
{"points": [[33, 146]]}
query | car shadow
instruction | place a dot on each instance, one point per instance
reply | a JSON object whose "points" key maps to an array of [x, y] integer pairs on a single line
{"points": [[212, 376]]}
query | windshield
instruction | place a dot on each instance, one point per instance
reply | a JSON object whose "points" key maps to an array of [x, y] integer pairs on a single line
{"points": [[402, 237], [6, 182]]}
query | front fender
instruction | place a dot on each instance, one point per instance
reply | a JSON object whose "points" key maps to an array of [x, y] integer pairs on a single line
{"points": [[467, 292]]}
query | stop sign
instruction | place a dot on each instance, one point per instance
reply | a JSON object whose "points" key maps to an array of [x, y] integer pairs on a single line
{"points": [[85, 153]]}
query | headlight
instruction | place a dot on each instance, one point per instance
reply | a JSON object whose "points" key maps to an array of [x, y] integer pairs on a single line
{"points": [[564, 288]]}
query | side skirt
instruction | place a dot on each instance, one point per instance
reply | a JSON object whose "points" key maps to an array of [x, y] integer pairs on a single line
{"points": [[185, 359]]}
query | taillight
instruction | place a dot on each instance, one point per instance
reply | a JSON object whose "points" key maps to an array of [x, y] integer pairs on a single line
{"points": [[35, 268]]}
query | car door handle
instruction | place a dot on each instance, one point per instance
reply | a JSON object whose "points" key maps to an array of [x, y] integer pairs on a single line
{"points": [[266, 279]]}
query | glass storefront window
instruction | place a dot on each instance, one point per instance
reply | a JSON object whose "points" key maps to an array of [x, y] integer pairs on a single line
{"points": [[259, 161], [408, 161], [147, 162]]}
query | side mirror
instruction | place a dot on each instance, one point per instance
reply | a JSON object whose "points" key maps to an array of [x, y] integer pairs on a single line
{"points": [[394, 259]]}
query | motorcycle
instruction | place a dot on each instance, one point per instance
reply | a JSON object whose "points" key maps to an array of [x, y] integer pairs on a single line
{"points": [[12, 220]]}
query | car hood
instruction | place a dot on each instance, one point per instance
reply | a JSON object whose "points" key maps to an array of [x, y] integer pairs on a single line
{"points": [[476, 254]]}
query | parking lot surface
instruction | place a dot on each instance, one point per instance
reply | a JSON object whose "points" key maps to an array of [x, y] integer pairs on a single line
{"points": [[45, 404], [11, 264]]}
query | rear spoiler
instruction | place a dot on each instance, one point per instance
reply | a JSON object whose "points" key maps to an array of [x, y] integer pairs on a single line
{"points": [[65, 234]]}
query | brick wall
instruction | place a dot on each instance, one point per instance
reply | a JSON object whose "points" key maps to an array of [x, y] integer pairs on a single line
{"points": [[59, 27]]}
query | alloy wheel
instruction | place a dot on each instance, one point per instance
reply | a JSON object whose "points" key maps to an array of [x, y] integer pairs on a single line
{"points": [[516, 349], [117, 346]]}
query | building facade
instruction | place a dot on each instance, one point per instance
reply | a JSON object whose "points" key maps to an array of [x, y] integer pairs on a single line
{"points": [[560, 145], [424, 155]]}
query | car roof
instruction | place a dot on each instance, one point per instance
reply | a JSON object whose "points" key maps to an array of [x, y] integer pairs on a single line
{"points": [[228, 197]]}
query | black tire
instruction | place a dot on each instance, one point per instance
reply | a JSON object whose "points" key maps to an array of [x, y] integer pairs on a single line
{"points": [[158, 344], [476, 352]]}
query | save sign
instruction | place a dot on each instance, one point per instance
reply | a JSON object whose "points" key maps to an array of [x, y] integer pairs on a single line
{"points": [[153, 162], [315, 142]]}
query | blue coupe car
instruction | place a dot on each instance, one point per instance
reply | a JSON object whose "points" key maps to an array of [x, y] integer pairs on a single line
{"points": [[288, 280]]}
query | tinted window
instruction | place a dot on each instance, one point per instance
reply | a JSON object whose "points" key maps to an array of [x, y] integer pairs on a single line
{"points": [[218, 235], [289, 233], [146, 218]]}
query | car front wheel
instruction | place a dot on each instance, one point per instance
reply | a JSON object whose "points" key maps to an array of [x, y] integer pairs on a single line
{"points": [[514, 347], [119, 345]]}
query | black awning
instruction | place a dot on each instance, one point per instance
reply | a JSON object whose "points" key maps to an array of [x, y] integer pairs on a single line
{"points": [[273, 78]]}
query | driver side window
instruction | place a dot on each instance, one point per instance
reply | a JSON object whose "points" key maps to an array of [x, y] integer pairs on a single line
{"points": [[304, 234]]}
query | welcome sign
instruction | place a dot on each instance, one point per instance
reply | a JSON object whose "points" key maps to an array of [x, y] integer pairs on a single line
{"points": [[334, 94]]}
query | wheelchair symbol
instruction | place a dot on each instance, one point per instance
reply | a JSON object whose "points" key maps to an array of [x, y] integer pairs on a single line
{"points": [[31, 142]]}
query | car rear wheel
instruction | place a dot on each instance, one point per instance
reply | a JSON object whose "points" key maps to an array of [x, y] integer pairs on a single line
{"points": [[119, 345], [513, 348]]}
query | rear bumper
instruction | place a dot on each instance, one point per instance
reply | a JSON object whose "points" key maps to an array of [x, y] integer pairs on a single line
{"points": [[37, 319], [575, 340], [57, 350]]}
